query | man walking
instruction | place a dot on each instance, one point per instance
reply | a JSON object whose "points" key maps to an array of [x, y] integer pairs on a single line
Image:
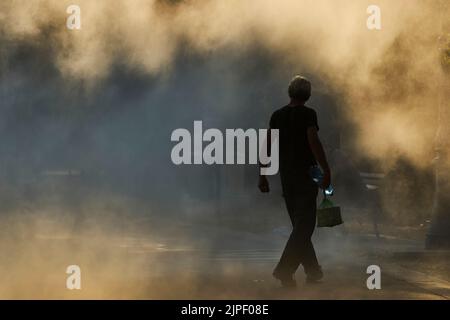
{"points": [[300, 149]]}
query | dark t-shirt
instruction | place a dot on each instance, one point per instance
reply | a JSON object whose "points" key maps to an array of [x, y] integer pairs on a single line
{"points": [[292, 122]]}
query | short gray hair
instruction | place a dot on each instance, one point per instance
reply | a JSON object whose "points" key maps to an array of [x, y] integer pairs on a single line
{"points": [[300, 88]]}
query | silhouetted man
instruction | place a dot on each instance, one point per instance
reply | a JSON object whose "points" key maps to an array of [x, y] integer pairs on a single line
{"points": [[300, 149]]}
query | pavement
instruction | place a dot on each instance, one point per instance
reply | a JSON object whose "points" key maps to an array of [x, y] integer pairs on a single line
{"points": [[214, 262]]}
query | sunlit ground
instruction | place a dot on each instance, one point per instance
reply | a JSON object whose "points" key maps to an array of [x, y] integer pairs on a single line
{"points": [[148, 258]]}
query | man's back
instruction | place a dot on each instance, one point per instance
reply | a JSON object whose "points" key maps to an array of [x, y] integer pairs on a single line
{"points": [[292, 123]]}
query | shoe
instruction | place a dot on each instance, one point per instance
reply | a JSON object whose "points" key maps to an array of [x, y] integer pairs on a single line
{"points": [[314, 276], [287, 281]]}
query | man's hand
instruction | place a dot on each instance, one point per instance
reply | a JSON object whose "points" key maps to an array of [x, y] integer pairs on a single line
{"points": [[319, 154], [326, 181], [263, 184]]}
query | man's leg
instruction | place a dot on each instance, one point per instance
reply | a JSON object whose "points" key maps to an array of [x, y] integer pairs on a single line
{"points": [[299, 248], [290, 259], [308, 221]]}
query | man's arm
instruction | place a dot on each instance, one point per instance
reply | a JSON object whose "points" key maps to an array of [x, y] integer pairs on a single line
{"points": [[319, 154]]}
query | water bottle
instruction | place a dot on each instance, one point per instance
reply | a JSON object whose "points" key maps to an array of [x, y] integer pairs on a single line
{"points": [[317, 176]]}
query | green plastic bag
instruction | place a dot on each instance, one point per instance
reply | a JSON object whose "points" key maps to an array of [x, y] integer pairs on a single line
{"points": [[328, 214]]}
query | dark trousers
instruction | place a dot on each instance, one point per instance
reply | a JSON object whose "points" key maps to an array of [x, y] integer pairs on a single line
{"points": [[300, 196]]}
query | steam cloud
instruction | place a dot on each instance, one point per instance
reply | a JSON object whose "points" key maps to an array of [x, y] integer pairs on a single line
{"points": [[393, 71], [389, 85]]}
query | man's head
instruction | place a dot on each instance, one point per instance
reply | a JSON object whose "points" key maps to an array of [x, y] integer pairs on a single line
{"points": [[300, 88]]}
